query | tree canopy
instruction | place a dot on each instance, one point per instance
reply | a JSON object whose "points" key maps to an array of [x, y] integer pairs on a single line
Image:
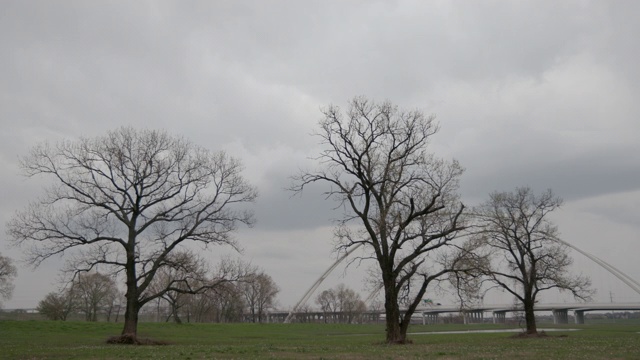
{"points": [[127, 200]]}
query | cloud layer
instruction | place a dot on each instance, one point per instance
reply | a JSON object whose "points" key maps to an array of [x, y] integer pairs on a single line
{"points": [[538, 93]]}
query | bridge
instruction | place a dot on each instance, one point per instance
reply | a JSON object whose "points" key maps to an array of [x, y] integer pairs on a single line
{"points": [[560, 311], [475, 314]]}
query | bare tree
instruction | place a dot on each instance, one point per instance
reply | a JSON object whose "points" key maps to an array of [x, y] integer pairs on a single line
{"points": [[328, 301], [189, 275], [113, 305], [228, 303], [185, 274], [57, 306], [94, 293], [201, 307], [520, 241], [400, 202], [351, 305], [128, 200], [259, 291], [7, 275], [342, 302]]}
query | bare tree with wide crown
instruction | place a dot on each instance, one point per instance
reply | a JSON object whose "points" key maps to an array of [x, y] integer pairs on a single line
{"points": [[127, 201]]}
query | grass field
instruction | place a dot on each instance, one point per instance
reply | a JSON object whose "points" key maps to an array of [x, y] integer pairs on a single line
{"points": [[82, 340]]}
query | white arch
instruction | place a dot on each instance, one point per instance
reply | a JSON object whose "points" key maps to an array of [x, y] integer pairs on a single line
{"points": [[628, 280], [315, 285]]}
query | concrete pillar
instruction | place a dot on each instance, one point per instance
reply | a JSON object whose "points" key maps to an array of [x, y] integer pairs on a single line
{"points": [[499, 317], [473, 316], [579, 316], [560, 316], [429, 318], [477, 316]]}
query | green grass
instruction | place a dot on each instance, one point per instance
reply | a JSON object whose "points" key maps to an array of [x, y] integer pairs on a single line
{"points": [[82, 340]]}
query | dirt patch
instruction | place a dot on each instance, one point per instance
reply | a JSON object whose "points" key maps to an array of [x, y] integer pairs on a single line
{"points": [[538, 335], [392, 343], [129, 339]]}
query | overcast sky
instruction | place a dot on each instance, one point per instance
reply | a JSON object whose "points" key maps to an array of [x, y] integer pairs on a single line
{"points": [[537, 93]]}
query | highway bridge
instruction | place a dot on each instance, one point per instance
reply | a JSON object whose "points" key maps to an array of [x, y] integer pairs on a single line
{"points": [[560, 311], [475, 314]]}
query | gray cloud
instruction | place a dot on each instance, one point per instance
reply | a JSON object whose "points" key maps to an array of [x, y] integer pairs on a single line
{"points": [[539, 93]]}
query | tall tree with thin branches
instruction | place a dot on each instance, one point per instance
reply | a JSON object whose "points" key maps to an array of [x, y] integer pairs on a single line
{"points": [[518, 239], [400, 201], [128, 200]]}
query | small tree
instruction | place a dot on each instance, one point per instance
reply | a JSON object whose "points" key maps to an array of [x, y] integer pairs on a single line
{"points": [[187, 275], [351, 305], [520, 241], [113, 305], [259, 291], [228, 303], [94, 293], [57, 306], [7, 275], [328, 301], [128, 200], [201, 307], [342, 302], [400, 202]]}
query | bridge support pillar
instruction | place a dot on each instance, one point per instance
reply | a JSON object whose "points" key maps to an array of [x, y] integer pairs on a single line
{"points": [[560, 316], [499, 317], [429, 318], [579, 316], [473, 316]]}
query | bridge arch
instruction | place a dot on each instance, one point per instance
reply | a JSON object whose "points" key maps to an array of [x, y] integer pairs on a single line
{"points": [[626, 279]]}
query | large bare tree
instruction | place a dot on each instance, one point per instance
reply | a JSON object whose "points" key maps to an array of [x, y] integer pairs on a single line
{"points": [[400, 201], [128, 200], [7, 275], [519, 240]]}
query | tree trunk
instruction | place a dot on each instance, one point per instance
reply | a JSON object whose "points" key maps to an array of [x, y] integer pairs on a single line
{"points": [[396, 334], [176, 317], [132, 307], [118, 313], [530, 317], [109, 311], [131, 318]]}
